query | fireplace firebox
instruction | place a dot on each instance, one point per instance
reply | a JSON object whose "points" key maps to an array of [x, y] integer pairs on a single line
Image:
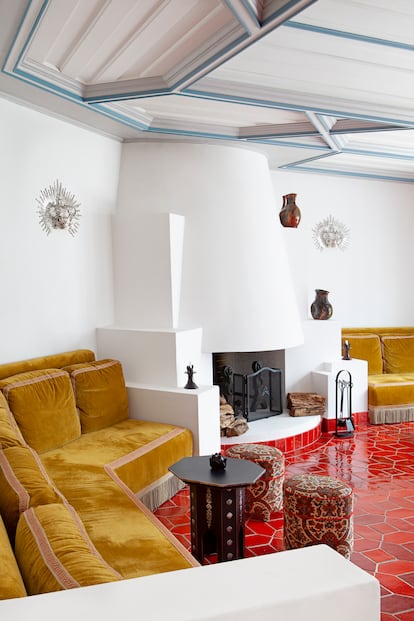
{"points": [[252, 395]]}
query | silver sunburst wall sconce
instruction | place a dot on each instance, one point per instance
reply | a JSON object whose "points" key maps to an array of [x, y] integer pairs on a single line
{"points": [[58, 209], [330, 233]]}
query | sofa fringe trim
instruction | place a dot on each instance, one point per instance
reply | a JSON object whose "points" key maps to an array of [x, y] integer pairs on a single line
{"points": [[390, 415], [154, 495]]}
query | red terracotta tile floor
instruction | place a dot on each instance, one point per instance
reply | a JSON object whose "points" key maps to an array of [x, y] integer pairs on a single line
{"points": [[379, 463]]}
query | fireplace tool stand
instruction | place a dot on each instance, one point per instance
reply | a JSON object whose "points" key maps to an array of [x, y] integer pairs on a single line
{"points": [[344, 424]]}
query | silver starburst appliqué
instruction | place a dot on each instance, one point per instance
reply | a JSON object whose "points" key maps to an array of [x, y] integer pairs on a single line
{"points": [[58, 209], [329, 233]]}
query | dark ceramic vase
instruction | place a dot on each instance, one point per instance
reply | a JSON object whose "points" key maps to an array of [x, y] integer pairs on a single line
{"points": [[290, 213], [321, 308]]}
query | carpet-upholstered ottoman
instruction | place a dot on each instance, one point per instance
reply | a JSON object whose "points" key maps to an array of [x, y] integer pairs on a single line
{"points": [[266, 495], [318, 509]]}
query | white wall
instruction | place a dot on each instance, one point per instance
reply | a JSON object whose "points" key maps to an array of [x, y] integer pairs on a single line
{"points": [[370, 282], [56, 289]]}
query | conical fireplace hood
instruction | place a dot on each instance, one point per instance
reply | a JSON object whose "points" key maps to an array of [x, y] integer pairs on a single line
{"points": [[226, 268]]}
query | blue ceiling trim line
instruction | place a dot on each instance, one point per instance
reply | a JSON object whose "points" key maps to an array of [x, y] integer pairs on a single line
{"points": [[200, 134], [343, 173], [315, 158], [96, 109], [343, 34], [28, 77], [163, 130], [265, 103], [191, 133], [282, 135], [18, 30], [45, 85], [370, 130], [301, 166], [39, 15], [237, 16], [118, 116], [322, 121], [110, 115], [127, 96], [280, 143], [389, 155], [274, 15]]}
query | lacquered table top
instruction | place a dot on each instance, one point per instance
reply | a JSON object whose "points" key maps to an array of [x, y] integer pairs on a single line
{"points": [[238, 472]]}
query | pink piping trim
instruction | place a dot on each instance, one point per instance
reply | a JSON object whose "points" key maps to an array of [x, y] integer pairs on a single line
{"points": [[89, 369], [15, 426], [33, 380], [110, 470], [95, 367], [139, 452], [152, 518], [58, 571], [13, 481]]}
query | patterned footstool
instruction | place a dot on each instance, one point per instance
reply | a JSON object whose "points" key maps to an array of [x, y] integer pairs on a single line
{"points": [[266, 495], [318, 509]]}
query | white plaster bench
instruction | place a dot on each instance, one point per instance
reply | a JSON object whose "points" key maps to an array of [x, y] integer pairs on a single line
{"points": [[314, 583]]}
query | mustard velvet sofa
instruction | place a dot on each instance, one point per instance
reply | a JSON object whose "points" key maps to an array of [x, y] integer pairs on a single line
{"points": [[74, 473], [390, 356]]}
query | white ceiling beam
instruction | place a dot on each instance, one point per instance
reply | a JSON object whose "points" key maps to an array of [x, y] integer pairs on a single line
{"points": [[279, 131]]}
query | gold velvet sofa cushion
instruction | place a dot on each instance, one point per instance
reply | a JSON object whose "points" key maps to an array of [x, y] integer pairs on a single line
{"points": [[392, 385], [366, 347], [43, 405], [123, 530], [100, 393], [24, 483], [52, 361], [392, 389], [54, 552], [137, 452], [9, 432], [11, 582], [100, 473], [398, 353], [3, 401]]}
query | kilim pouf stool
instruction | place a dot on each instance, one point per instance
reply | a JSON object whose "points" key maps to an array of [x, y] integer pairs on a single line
{"points": [[318, 509], [266, 495]]}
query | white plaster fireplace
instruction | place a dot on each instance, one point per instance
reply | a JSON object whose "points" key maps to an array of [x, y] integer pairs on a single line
{"points": [[187, 214]]}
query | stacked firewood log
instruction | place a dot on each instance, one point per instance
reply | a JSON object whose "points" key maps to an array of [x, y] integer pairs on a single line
{"points": [[229, 424], [305, 404]]}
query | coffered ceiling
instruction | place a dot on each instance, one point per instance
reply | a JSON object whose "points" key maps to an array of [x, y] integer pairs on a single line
{"points": [[318, 85]]}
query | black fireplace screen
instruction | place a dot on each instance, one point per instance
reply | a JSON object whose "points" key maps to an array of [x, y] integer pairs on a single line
{"points": [[255, 395]]}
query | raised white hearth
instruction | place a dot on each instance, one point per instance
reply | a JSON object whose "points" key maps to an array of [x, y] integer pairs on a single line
{"points": [[285, 432]]}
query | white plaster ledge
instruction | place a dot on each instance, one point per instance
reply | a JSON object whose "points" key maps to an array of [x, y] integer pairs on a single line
{"points": [[314, 583]]}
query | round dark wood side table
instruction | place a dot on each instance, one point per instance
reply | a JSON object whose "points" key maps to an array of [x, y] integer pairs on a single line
{"points": [[217, 504]]}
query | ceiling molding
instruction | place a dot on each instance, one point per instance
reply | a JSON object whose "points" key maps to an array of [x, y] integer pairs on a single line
{"points": [[352, 36], [284, 76]]}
